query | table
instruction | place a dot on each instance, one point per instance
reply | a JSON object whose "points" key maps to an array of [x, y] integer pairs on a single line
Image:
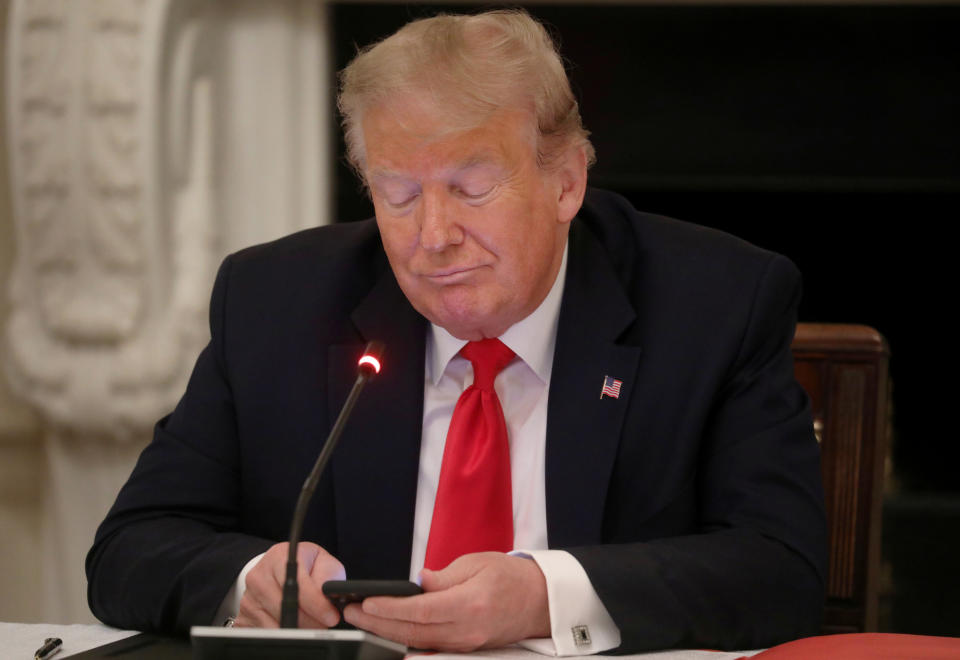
{"points": [[20, 641]]}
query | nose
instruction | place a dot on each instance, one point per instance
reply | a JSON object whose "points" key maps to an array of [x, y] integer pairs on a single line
{"points": [[439, 226]]}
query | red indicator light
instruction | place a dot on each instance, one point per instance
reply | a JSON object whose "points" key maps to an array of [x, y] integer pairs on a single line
{"points": [[372, 361]]}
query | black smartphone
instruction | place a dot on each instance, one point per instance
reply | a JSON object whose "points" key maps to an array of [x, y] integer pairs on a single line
{"points": [[342, 592]]}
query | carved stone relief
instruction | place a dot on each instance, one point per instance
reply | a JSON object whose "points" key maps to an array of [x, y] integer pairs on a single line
{"points": [[84, 335], [114, 123]]}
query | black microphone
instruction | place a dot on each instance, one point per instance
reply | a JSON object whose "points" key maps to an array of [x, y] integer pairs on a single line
{"points": [[368, 366]]}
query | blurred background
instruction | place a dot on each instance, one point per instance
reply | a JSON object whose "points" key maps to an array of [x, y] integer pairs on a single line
{"points": [[144, 140]]}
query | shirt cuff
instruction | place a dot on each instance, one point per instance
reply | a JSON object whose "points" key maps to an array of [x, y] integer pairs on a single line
{"points": [[231, 603], [579, 621]]}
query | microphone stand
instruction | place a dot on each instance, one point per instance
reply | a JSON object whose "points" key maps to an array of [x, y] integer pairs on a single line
{"points": [[290, 642], [369, 365]]}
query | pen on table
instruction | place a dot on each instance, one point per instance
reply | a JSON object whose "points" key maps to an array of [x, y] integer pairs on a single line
{"points": [[51, 645]]}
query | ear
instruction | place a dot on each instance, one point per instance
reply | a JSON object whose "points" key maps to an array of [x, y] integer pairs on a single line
{"points": [[572, 183]]}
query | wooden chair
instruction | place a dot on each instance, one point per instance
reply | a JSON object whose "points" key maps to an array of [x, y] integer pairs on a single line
{"points": [[844, 370]]}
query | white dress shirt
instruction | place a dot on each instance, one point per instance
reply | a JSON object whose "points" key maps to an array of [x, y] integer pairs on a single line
{"points": [[580, 624]]}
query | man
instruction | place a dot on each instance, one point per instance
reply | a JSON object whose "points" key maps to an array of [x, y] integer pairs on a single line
{"points": [[661, 464]]}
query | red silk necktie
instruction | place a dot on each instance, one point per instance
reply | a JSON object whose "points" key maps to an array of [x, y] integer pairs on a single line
{"points": [[473, 511]]}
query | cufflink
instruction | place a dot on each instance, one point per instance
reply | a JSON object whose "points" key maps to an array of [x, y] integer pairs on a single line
{"points": [[581, 635], [230, 622]]}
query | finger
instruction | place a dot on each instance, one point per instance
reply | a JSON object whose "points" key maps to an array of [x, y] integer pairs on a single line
{"points": [[449, 595], [447, 592], [315, 606], [264, 582], [314, 610], [264, 586], [264, 591], [255, 613], [313, 601], [444, 579], [251, 615], [304, 620], [257, 617], [327, 567], [434, 607], [457, 572], [260, 614], [445, 636]]}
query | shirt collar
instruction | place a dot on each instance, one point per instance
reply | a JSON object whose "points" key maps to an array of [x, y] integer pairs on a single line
{"points": [[533, 339]]}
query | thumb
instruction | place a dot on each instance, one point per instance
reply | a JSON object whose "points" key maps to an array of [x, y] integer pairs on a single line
{"points": [[457, 572], [306, 556]]}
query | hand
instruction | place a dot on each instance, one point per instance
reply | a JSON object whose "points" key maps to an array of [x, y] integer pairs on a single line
{"points": [[480, 600], [260, 605]]}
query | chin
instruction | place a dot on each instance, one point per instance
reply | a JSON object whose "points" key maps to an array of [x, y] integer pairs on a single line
{"points": [[464, 314], [460, 326], [468, 324]]}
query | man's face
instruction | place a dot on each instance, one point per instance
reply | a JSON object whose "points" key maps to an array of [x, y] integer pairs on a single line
{"points": [[473, 228]]}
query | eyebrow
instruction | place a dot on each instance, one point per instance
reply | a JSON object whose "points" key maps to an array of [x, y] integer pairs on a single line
{"points": [[381, 173], [482, 158], [475, 160]]}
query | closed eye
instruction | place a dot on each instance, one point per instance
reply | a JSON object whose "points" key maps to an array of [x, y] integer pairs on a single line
{"points": [[397, 193], [476, 194], [401, 203]]}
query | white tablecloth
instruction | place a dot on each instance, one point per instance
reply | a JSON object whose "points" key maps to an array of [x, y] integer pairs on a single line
{"points": [[19, 641]]}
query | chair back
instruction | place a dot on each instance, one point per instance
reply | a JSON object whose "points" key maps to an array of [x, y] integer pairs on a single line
{"points": [[843, 368]]}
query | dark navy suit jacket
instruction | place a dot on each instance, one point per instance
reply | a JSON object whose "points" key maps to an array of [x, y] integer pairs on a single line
{"points": [[693, 500]]}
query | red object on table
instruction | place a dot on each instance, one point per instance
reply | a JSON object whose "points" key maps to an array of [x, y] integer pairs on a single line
{"points": [[865, 646]]}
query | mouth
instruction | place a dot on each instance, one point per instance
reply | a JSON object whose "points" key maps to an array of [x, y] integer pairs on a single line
{"points": [[451, 275]]}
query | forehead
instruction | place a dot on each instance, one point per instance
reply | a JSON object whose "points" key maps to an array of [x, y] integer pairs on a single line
{"points": [[409, 137]]}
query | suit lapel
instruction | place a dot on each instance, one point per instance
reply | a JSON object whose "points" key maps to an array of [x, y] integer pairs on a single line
{"points": [[376, 464], [583, 429]]}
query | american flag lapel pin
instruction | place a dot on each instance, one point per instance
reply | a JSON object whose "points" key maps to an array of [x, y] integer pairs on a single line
{"points": [[611, 387]]}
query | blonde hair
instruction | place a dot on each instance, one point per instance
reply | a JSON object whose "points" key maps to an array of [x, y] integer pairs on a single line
{"points": [[471, 66]]}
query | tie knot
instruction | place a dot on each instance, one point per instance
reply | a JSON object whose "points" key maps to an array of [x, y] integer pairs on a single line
{"points": [[488, 357]]}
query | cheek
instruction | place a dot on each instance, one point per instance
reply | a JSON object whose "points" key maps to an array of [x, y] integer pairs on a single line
{"points": [[530, 239], [505, 228], [398, 236]]}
